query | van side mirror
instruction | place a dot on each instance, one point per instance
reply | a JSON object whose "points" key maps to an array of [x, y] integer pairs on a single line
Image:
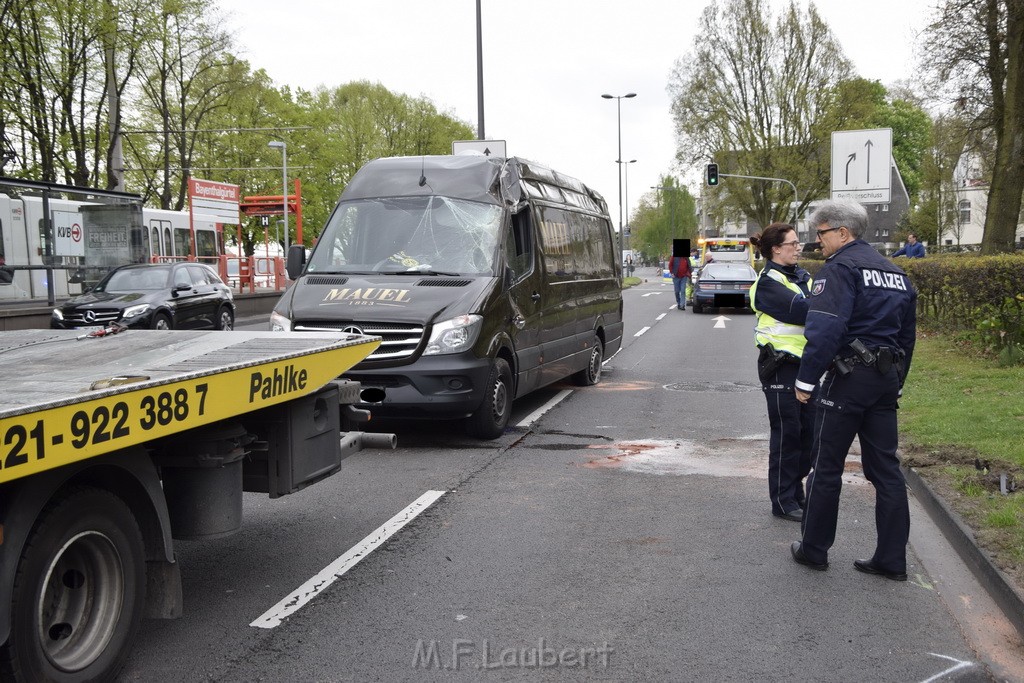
{"points": [[296, 261]]}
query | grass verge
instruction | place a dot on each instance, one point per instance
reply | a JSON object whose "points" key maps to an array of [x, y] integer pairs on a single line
{"points": [[962, 419]]}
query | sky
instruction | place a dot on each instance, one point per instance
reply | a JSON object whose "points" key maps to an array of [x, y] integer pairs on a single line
{"points": [[546, 64]]}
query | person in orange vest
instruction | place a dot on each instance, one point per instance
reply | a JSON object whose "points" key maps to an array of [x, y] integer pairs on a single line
{"points": [[679, 269]]}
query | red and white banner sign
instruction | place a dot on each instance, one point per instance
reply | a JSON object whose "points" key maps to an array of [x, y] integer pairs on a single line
{"points": [[216, 202]]}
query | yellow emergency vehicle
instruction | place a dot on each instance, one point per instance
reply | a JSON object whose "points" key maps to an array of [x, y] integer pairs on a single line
{"points": [[725, 249]]}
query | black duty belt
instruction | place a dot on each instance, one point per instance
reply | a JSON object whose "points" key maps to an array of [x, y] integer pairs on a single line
{"points": [[882, 359]]}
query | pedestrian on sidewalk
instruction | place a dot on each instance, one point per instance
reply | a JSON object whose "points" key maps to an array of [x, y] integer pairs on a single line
{"points": [[860, 335]]}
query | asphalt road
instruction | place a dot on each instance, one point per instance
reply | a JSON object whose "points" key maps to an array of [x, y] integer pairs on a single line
{"points": [[625, 534]]}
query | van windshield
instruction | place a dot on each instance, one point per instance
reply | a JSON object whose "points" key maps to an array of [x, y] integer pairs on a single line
{"points": [[409, 234]]}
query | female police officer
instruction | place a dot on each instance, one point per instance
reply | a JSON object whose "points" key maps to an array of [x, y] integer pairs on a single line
{"points": [[860, 333], [779, 297]]}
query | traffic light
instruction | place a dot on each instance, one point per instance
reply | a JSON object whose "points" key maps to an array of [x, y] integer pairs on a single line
{"points": [[713, 174]]}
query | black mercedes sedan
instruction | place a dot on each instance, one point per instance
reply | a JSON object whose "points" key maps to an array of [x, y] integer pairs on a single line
{"points": [[160, 296]]}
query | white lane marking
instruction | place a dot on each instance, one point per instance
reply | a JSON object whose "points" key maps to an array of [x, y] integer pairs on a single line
{"points": [[652, 294], [960, 664], [335, 570], [536, 415], [661, 316], [642, 330], [720, 321]]}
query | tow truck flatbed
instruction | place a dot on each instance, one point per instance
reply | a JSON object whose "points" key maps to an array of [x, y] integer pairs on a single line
{"points": [[68, 397]]}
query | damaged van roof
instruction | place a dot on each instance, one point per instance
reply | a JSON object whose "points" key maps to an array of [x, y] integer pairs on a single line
{"points": [[471, 177]]}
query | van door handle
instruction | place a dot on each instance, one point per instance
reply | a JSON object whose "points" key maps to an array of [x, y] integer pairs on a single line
{"points": [[535, 296]]}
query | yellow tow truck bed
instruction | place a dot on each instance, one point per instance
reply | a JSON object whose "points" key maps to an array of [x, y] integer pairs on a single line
{"points": [[67, 397]]}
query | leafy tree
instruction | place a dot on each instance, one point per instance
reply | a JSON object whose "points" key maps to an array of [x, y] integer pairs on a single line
{"points": [[48, 52], [347, 126], [975, 52], [936, 213], [189, 75], [58, 61], [661, 216], [758, 96]]}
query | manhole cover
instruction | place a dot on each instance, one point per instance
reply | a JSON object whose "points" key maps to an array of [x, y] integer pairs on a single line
{"points": [[725, 387]]}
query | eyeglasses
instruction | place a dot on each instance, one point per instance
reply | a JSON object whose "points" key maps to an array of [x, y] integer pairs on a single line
{"points": [[793, 243], [822, 232]]}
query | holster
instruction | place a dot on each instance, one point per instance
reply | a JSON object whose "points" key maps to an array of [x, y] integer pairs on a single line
{"points": [[884, 360], [768, 361]]}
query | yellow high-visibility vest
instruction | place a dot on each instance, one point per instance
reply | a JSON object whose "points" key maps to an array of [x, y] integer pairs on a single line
{"points": [[782, 336]]}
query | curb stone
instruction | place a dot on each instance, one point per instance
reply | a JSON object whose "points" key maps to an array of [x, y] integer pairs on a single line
{"points": [[995, 582]]}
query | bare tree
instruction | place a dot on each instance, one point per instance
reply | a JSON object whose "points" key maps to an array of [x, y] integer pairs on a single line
{"points": [[975, 50], [761, 98]]}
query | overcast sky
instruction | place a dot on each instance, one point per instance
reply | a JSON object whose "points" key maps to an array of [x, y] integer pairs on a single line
{"points": [[546, 65]]}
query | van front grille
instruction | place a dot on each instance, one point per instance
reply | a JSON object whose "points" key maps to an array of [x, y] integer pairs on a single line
{"points": [[400, 340]]}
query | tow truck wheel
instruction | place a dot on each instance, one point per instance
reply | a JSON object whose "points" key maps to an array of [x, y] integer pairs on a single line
{"points": [[490, 419], [78, 593], [591, 374]]}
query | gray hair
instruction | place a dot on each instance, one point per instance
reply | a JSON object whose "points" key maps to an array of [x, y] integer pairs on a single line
{"points": [[841, 213]]}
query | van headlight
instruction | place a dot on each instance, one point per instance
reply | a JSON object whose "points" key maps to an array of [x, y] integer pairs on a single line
{"points": [[454, 336], [134, 311], [57, 314], [279, 323]]}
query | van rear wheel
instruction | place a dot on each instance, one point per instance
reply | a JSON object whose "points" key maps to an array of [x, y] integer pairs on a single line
{"points": [[591, 374], [491, 418]]}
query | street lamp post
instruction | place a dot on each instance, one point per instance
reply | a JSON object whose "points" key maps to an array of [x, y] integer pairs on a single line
{"points": [[625, 195], [280, 144], [618, 106]]}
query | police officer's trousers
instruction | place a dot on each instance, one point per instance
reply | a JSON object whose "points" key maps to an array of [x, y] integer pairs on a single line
{"points": [[789, 446], [861, 404]]}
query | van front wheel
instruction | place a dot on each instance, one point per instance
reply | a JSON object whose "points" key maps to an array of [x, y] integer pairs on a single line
{"points": [[491, 418], [591, 374]]}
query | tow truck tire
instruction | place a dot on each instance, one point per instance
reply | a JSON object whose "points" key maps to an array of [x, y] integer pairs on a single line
{"points": [[161, 322], [78, 593], [491, 418], [591, 374], [225, 319]]}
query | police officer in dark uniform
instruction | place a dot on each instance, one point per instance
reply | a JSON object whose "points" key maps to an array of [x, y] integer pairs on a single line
{"points": [[780, 297], [860, 335]]}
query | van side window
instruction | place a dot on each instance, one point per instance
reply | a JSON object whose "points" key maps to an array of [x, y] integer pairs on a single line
{"points": [[518, 245], [596, 246], [556, 244]]}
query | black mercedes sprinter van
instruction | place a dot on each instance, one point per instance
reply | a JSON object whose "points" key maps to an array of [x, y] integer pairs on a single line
{"points": [[486, 278]]}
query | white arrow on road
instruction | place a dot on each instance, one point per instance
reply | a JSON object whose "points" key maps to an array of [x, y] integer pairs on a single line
{"points": [[960, 664], [720, 321]]}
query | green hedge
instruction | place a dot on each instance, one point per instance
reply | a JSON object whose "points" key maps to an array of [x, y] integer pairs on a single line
{"points": [[980, 295]]}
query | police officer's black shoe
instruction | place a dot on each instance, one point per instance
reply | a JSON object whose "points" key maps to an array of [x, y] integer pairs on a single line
{"points": [[798, 555], [868, 567], [796, 515]]}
